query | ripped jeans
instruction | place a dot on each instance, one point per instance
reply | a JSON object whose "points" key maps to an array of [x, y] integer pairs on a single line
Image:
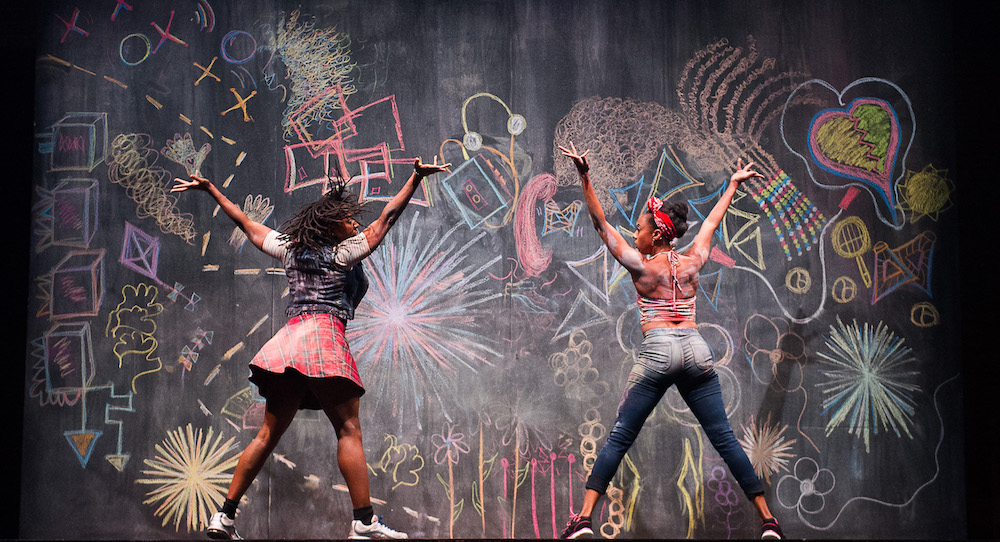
{"points": [[671, 356]]}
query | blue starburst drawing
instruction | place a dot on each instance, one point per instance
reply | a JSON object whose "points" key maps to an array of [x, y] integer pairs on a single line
{"points": [[869, 381], [416, 330]]}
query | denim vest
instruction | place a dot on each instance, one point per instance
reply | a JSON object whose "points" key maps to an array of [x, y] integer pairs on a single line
{"points": [[316, 284]]}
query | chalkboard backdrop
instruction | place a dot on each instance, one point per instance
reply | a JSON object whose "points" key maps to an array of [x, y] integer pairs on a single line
{"points": [[497, 332]]}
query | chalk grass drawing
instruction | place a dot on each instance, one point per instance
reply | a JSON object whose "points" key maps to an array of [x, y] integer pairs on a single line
{"points": [[189, 476], [869, 380]]}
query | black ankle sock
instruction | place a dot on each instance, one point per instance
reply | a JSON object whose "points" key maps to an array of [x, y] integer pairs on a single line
{"points": [[364, 515], [229, 508]]}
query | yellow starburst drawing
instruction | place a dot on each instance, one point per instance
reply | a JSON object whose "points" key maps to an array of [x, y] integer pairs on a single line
{"points": [[926, 192], [190, 475], [767, 448]]}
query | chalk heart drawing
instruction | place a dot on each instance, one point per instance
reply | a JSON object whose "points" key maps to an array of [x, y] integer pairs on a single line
{"points": [[858, 142]]}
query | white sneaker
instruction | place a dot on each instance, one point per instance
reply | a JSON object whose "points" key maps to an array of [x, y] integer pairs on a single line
{"points": [[220, 527], [360, 531]]}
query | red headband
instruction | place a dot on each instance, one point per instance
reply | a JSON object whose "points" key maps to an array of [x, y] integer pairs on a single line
{"points": [[663, 222]]}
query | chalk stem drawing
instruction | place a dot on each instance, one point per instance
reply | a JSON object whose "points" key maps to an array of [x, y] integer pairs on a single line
{"points": [[451, 496], [482, 501], [517, 469], [693, 505], [552, 492]]}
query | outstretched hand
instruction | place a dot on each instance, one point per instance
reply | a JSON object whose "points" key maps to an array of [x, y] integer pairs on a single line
{"points": [[579, 159], [196, 183], [744, 172], [425, 170]]}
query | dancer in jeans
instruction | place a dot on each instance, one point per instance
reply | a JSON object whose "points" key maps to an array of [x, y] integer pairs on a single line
{"points": [[308, 364], [673, 351]]}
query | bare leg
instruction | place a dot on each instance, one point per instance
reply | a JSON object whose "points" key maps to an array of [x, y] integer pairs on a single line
{"points": [[761, 505], [341, 402], [279, 413], [589, 502]]}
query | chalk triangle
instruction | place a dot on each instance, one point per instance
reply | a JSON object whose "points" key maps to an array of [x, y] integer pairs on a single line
{"points": [[593, 271], [118, 461], [709, 285], [82, 442], [890, 272], [628, 194], [584, 313], [750, 246]]}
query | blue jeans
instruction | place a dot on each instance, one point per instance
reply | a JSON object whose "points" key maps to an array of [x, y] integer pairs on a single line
{"points": [[671, 356]]}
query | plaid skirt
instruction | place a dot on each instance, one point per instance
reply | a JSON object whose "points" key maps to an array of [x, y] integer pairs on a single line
{"points": [[309, 346]]}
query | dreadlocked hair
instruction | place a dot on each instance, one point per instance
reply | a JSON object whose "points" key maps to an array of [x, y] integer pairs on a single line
{"points": [[310, 228], [678, 213]]}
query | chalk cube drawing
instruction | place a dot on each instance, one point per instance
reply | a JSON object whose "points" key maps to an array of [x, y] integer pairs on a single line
{"points": [[77, 285], [69, 358], [74, 212], [79, 142], [473, 191]]}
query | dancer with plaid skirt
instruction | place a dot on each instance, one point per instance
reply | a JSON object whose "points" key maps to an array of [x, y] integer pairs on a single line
{"points": [[308, 363]]}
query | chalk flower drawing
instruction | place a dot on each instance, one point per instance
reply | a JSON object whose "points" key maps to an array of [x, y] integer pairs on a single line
{"points": [[190, 476], [448, 446], [806, 488], [776, 353], [869, 380]]}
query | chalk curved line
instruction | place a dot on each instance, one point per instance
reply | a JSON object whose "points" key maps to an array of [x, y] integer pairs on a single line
{"points": [[907, 502], [533, 256], [465, 105], [151, 371], [896, 222], [822, 264], [228, 39]]}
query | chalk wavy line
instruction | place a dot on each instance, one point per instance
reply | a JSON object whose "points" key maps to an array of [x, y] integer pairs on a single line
{"points": [[937, 472], [898, 225], [822, 264]]}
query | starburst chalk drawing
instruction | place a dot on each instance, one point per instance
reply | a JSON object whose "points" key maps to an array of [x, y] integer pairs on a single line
{"points": [[189, 475], [869, 382]]}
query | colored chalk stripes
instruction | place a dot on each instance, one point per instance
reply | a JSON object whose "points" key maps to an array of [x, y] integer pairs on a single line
{"points": [[796, 221]]}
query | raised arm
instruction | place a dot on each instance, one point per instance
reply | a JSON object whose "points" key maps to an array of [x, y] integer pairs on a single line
{"points": [[255, 231], [626, 255], [703, 241], [376, 231]]}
